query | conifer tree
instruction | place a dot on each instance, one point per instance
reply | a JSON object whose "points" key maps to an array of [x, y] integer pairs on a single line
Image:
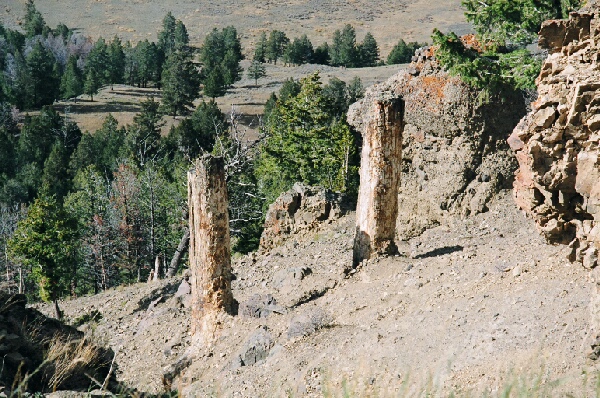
{"points": [[256, 70], [214, 83], [116, 61], [143, 136], [305, 142], [343, 51], [180, 83], [369, 51], [43, 75], [166, 37], [47, 241], [181, 36], [71, 84], [92, 83], [276, 45], [34, 22], [261, 48]]}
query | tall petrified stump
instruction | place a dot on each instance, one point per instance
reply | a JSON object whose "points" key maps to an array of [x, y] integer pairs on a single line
{"points": [[381, 157], [210, 252]]}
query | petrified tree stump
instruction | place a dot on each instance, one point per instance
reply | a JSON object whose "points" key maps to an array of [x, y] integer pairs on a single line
{"points": [[381, 158], [210, 252]]}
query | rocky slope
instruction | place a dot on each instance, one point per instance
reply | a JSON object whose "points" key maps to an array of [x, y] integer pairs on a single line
{"points": [[470, 305]]}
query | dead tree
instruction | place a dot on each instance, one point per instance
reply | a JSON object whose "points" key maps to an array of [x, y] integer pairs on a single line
{"points": [[381, 158], [210, 251], [183, 244]]}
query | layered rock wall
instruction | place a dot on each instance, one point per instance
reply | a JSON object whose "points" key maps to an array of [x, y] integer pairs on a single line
{"points": [[454, 151], [556, 144]]}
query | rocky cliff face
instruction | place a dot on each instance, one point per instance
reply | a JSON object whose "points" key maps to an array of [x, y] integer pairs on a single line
{"points": [[556, 144], [454, 152]]}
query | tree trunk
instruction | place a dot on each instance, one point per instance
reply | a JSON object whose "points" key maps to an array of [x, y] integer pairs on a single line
{"points": [[380, 166], [57, 311], [210, 251], [183, 244], [157, 268], [20, 279]]}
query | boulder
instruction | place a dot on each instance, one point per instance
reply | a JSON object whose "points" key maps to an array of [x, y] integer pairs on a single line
{"points": [[256, 348], [302, 208]]}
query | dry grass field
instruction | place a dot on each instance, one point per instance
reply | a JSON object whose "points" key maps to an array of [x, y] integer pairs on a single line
{"points": [[140, 19], [412, 20], [245, 98]]}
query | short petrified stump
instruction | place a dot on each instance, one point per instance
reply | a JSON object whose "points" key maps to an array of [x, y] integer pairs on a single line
{"points": [[210, 252]]}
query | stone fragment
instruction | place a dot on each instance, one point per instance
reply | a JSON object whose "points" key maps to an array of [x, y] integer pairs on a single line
{"points": [[544, 118], [256, 348], [260, 306], [308, 322]]}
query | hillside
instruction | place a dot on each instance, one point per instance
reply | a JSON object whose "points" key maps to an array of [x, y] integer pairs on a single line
{"points": [[136, 20], [246, 98], [473, 305]]}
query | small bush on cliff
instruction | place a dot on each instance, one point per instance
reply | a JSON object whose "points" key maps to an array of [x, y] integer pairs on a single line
{"points": [[504, 28]]}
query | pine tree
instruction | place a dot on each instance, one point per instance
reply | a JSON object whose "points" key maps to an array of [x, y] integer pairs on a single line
{"points": [[256, 70], [143, 136], [34, 22], [276, 45], [321, 55], [196, 134], [47, 240], [99, 61], [182, 39], [214, 83], [261, 48], [343, 51], [369, 51], [71, 84], [116, 61], [43, 75], [92, 83], [146, 56], [305, 142], [166, 37], [401, 53], [180, 83], [55, 177]]}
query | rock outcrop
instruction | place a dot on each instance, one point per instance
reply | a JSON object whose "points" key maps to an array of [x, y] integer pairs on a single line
{"points": [[303, 208], [454, 151], [556, 144], [41, 354]]}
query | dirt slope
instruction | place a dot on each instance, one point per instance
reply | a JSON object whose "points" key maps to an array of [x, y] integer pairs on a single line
{"points": [[462, 306]]}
